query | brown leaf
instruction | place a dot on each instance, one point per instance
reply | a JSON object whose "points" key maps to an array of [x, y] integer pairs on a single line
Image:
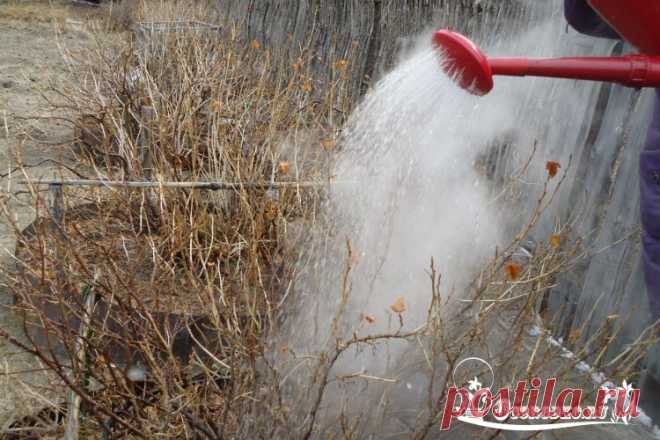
{"points": [[399, 305], [552, 167], [307, 86], [370, 319], [574, 335], [216, 106], [284, 167], [271, 210], [513, 270], [555, 240], [328, 144], [255, 44], [340, 65]]}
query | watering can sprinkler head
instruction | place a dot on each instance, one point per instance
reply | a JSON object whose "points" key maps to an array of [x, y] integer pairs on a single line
{"points": [[473, 71], [464, 62]]}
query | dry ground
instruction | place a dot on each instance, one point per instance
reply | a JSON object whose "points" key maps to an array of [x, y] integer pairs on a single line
{"points": [[34, 38]]}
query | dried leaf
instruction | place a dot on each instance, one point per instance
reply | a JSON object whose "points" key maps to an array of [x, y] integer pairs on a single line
{"points": [[255, 44], [399, 305], [552, 167], [216, 106], [329, 144], [574, 335], [555, 240], [513, 270], [340, 65], [271, 211], [307, 86], [370, 319], [284, 167]]}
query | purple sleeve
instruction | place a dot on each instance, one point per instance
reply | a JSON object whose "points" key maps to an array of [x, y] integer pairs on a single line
{"points": [[649, 163], [585, 20]]}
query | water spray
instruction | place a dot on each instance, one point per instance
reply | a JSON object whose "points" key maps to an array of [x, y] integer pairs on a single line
{"points": [[635, 20]]}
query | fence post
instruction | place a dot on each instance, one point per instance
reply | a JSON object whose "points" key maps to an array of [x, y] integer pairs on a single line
{"points": [[373, 48], [57, 213], [147, 143], [57, 203], [72, 430]]}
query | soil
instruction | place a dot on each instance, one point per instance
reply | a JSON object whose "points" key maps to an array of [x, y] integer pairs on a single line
{"points": [[37, 39]]}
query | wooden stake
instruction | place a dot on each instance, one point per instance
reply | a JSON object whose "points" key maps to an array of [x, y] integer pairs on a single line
{"points": [[73, 400]]}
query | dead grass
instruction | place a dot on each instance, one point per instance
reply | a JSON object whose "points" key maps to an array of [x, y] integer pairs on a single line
{"points": [[40, 11]]}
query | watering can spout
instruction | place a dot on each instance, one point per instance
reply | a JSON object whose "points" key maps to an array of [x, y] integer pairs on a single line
{"points": [[474, 71]]}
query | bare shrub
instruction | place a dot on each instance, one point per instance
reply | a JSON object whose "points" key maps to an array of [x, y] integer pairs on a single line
{"points": [[185, 283], [121, 15]]}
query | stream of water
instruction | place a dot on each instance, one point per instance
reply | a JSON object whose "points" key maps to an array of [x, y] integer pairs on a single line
{"points": [[430, 161]]}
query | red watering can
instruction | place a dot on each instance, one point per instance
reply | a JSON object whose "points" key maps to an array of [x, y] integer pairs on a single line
{"points": [[638, 21]]}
